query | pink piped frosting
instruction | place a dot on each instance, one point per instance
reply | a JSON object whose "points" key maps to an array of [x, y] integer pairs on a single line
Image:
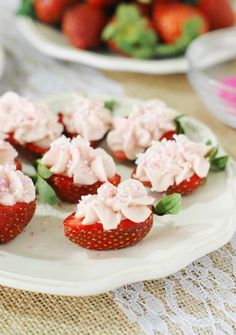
{"points": [[78, 160], [129, 200], [7, 153], [147, 122], [15, 187], [87, 117], [170, 162], [30, 123]]}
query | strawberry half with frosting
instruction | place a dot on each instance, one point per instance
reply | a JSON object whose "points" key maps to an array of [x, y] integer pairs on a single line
{"points": [[86, 117], [116, 217], [148, 122], [26, 125], [179, 165], [8, 155], [78, 169], [17, 203]]}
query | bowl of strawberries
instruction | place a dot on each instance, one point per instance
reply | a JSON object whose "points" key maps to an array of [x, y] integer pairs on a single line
{"points": [[137, 36]]}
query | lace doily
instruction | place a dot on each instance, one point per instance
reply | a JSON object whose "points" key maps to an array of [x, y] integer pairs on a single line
{"points": [[200, 299]]}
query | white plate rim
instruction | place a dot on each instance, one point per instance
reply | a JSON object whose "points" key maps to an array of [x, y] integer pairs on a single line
{"points": [[30, 29], [114, 280]]}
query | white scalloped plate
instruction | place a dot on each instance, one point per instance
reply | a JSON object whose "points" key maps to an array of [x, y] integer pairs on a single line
{"points": [[53, 43], [41, 259]]}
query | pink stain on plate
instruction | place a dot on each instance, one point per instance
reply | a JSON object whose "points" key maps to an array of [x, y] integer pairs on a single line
{"points": [[229, 95]]}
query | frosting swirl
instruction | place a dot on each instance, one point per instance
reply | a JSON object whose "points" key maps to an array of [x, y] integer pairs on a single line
{"points": [[7, 153], [147, 122], [129, 200], [170, 162], [28, 122], [87, 118], [78, 160], [15, 187]]}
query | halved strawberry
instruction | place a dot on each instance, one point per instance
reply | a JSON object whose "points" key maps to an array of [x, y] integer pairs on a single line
{"points": [[94, 236], [126, 234], [51, 11], [33, 148], [13, 219], [186, 186], [70, 192]]}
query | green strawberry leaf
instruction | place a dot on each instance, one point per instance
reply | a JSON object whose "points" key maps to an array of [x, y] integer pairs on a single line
{"points": [[180, 128], [46, 192], [190, 31], [171, 204], [110, 104], [43, 171], [219, 164], [26, 8]]}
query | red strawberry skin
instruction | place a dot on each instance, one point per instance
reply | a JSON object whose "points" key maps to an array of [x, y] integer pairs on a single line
{"points": [[67, 191], [13, 219], [32, 148], [83, 25], [184, 188], [94, 237], [169, 20], [18, 165], [219, 13], [187, 186], [51, 11]]}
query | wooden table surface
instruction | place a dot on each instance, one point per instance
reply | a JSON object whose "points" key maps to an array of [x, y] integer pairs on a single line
{"points": [[177, 93]]}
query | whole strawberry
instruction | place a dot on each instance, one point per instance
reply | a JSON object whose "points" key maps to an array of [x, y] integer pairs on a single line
{"points": [[130, 34], [51, 11], [171, 19], [83, 25], [219, 13]]}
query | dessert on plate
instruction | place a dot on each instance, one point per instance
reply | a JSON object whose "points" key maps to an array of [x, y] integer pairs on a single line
{"points": [[27, 125], [17, 202], [148, 122], [78, 169], [116, 217], [87, 117], [8, 155], [178, 165]]}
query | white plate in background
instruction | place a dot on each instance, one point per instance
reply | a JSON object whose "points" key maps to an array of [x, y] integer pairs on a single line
{"points": [[53, 43], [41, 259], [2, 61]]}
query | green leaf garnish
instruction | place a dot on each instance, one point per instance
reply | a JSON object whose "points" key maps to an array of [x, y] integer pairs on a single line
{"points": [[213, 153], [43, 171], [171, 204], [219, 164], [110, 104], [46, 192], [180, 128], [26, 8], [208, 142]]}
